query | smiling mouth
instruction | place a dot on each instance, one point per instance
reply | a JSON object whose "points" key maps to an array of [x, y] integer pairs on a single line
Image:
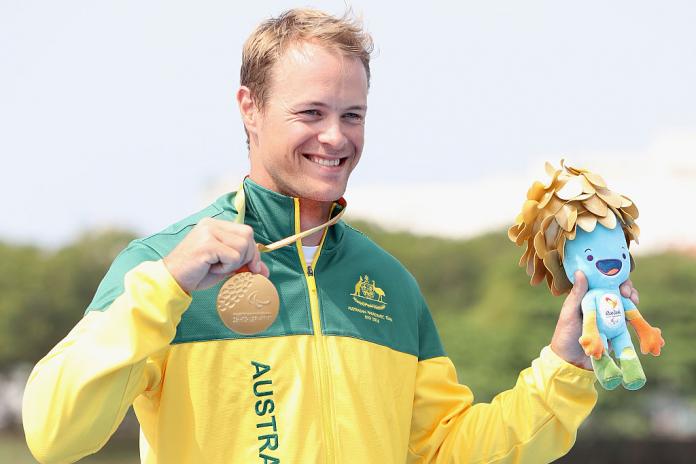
{"points": [[326, 162], [609, 267]]}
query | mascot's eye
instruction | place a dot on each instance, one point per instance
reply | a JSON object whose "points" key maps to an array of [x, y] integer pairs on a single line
{"points": [[624, 255], [590, 257]]}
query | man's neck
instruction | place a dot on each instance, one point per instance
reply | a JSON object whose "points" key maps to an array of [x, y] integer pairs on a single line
{"points": [[312, 214]]}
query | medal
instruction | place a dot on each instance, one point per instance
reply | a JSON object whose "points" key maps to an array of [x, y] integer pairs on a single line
{"points": [[248, 303]]}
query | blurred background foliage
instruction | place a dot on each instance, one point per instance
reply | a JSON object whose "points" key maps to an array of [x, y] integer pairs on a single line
{"points": [[492, 322], [44, 293]]}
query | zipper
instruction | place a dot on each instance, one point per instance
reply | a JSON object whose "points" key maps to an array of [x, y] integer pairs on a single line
{"points": [[320, 349], [323, 361]]}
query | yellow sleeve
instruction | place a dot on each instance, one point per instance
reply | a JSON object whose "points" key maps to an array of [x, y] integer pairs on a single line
{"points": [[536, 421], [78, 394]]}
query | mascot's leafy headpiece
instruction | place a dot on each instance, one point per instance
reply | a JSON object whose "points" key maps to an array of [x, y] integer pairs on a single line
{"points": [[553, 210]]}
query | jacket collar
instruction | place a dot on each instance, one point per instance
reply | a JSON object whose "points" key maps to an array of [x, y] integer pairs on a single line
{"points": [[274, 216]]}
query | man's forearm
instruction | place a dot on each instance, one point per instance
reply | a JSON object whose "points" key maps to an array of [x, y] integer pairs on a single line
{"points": [[79, 392]]}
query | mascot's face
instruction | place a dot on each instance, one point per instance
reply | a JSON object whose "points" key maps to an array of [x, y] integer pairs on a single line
{"points": [[602, 255]]}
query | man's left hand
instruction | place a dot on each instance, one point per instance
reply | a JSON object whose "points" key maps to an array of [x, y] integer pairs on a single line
{"points": [[569, 326]]}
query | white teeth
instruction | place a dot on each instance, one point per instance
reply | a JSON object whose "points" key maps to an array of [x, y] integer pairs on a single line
{"points": [[325, 162]]}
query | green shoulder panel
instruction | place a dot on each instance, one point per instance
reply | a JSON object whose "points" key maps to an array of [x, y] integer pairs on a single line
{"points": [[111, 285], [366, 293], [164, 242], [151, 248], [430, 345]]}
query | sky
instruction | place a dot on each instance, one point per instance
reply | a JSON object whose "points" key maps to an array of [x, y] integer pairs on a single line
{"points": [[122, 113]]}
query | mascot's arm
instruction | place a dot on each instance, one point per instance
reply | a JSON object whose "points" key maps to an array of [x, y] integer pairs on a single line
{"points": [[650, 337], [590, 339]]}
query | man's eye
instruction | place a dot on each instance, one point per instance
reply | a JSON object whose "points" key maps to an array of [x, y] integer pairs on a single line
{"points": [[353, 116], [311, 112]]}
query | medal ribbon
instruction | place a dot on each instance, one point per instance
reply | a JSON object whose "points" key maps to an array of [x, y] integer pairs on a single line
{"points": [[240, 206]]}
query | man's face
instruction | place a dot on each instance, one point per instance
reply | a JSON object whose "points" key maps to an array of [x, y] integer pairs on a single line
{"points": [[309, 137]]}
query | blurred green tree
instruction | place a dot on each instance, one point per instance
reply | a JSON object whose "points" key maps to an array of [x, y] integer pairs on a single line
{"points": [[492, 322], [46, 293]]}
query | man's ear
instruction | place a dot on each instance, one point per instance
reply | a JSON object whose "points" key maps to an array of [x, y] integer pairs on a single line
{"points": [[247, 109]]}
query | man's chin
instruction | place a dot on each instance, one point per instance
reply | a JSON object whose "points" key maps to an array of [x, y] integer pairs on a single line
{"points": [[327, 194], [326, 198]]}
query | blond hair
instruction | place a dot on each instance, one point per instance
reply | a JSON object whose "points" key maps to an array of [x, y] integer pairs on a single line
{"points": [[272, 37], [553, 210]]}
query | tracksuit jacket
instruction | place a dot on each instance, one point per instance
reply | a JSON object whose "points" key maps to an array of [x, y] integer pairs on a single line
{"points": [[351, 371]]}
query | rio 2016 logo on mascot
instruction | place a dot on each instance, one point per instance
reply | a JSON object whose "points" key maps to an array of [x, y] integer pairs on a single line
{"points": [[574, 222]]}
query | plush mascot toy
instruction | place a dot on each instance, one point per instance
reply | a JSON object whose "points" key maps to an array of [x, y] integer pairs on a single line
{"points": [[574, 222]]}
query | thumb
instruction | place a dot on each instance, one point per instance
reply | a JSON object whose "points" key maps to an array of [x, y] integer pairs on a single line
{"points": [[580, 286], [574, 298], [255, 263]]}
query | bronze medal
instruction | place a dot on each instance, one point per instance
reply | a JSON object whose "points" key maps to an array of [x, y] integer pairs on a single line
{"points": [[248, 303]]}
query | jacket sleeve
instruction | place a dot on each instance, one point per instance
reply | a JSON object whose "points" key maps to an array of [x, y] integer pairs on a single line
{"points": [[536, 421], [78, 394]]}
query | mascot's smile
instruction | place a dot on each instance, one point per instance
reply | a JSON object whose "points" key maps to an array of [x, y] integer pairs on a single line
{"points": [[609, 267], [577, 218]]}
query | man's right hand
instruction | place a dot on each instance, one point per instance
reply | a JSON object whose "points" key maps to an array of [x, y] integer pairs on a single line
{"points": [[211, 252]]}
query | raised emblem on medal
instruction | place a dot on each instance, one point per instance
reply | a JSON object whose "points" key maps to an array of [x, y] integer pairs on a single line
{"points": [[248, 303]]}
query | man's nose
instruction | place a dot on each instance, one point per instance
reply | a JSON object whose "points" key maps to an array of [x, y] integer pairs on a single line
{"points": [[332, 134]]}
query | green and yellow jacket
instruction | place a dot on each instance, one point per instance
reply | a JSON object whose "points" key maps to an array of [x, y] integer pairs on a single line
{"points": [[352, 371]]}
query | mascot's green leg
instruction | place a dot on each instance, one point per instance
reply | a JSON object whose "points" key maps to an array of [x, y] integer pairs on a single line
{"points": [[607, 372], [633, 375]]}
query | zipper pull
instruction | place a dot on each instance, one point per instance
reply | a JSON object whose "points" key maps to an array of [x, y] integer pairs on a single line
{"points": [[310, 272]]}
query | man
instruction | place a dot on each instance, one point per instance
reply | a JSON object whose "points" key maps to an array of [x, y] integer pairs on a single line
{"points": [[351, 371]]}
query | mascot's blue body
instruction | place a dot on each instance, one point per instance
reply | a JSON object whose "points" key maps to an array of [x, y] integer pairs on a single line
{"points": [[602, 255], [574, 222]]}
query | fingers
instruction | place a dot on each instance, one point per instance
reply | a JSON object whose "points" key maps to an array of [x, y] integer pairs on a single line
{"points": [[212, 250], [628, 291], [259, 267], [255, 263], [574, 298], [264, 271], [225, 259], [569, 326], [225, 246], [241, 238], [256, 266], [580, 286]]}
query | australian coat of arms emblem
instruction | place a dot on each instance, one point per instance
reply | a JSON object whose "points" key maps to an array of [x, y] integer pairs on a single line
{"points": [[368, 294]]}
